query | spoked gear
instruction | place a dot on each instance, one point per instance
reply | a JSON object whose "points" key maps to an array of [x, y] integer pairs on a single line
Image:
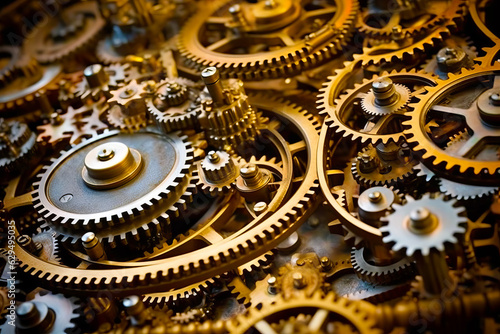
{"points": [[66, 34], [408, 227], [378, 22], [348, 117], [473, 159], [45, 313], [301, 36], [141, 208], [173, 105], [17, 145], [221, 253], [307, 315], [128, 107]]}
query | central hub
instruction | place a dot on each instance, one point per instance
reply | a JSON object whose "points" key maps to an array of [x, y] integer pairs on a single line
{"points": [[488, 104], [422, 221], [111, 165]]}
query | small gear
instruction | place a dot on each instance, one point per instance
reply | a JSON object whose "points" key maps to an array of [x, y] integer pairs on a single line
{"points": [[9, 55], [66, 34], [348, 117], [99, 80], [65, 205], [17, 145], [217, 172], [387, 273], [128, 107], [301, 37], [424, 224], [324, 310], [379, 165], [397, 97], [173, 106]]}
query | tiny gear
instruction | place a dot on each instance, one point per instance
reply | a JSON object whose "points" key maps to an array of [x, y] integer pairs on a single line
{"points": [[217, 172], [128, 108], [173, 106], [99, 80], [124, 178], [17, 144], [424, 224], [385, 97]]}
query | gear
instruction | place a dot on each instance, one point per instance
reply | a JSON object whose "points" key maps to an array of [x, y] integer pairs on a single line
{"points": [[99, 80], [303, 36], [348, 118], [128, 111], [173, 106], [473, 159], [17, 145], [285, 215], [397, 271], [370, 105], [45, 313], [217, 172], [323, 309], [402, 229], [67, 209], [66, 34], [387, 165]]}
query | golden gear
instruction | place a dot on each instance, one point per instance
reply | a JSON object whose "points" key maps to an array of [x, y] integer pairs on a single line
{"points": [[220, 256], [469, 161], [67, 34], [17, 145], [218, 172], [111, 160], [98, 80], [348, 118], [323, 309], [301, 41], [128, 107]]}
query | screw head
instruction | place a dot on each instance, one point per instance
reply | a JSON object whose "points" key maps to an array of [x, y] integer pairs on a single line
{"points": [[298, 280], [382, 84], [375, 196]]}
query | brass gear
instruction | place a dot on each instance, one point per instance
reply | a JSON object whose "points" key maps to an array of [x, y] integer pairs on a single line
{"points": [[67, 211], [347, 118], [218, 172], [99, 80], [272, 22], [66, 35], [323, 309], [459, 165], [247, 243], [128, 107], [17, 145]]}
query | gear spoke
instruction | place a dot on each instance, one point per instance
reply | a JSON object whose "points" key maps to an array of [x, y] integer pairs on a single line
{"points": [[453, 110], [223, 45]]}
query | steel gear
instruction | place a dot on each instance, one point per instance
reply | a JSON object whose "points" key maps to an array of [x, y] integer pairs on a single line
{"points": [[323, 309], [17, 145], [348, 118], [303, 36], [128, 108], [67, 34], [116, 221], [173, 106], [473, 159]]}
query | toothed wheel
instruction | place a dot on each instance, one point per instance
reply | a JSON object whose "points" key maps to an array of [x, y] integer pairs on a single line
{"points": [[128, 107], [99, 80], [217, 172], [424, 224], [114, 180], [17, 145]]}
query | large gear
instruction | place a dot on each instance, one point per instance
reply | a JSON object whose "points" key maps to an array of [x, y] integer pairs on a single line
{"points": [[290, 26], [472, 160], [116, 221]]}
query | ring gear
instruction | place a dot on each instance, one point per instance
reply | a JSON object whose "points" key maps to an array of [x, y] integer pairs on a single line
{"points": [[463, 163], [313, 45], [67, 209], [66, 34]]}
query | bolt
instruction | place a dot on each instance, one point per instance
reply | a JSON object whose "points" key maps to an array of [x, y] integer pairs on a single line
{"points": [[95, 75], [421, 220], [93, 246], [271, 285], [135, 308], [105, 154], [211, 78], [397, 33], [384, 91], [213, 157], [326, 263], [495, 99], [300, 262], [451, 59], [375, 196], [298, 281], [251, 175], [259, 208]]}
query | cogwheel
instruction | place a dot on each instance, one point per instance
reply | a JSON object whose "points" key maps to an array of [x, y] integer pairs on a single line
{"points": [[56, 314], [473, 160], [298, 40], [348, 117], [50, 246], [401, 270], [217, 172], [17, 145], [66, 34], [383, 165], [462, 191], [140, 186], [98, 80], [403, 230], [401, 96], [172, 107], [323, 310], [492, 56], [409, 19], [128, 111], [74, 124]]}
